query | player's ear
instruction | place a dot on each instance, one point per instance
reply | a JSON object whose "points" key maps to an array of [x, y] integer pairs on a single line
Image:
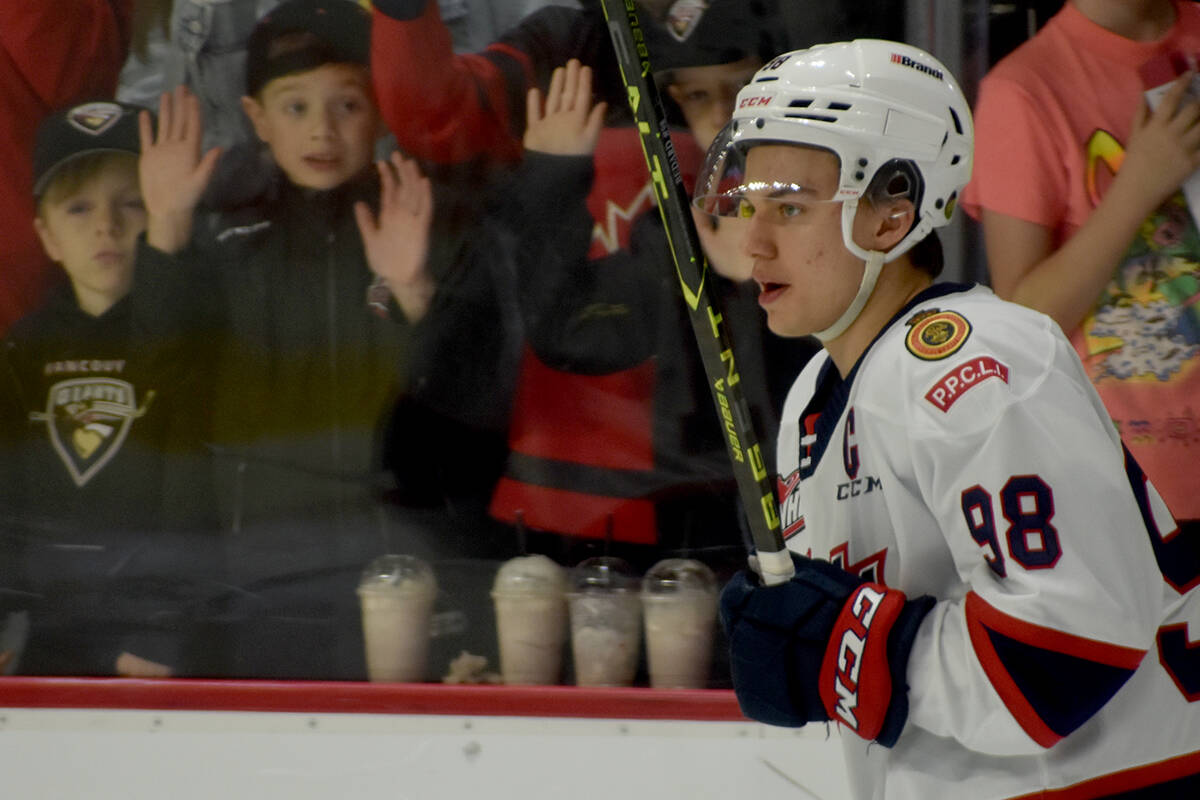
{"points": [[893, 222]]}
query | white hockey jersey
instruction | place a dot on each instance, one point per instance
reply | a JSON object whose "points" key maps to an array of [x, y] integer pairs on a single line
{"points": [[967, 457]]}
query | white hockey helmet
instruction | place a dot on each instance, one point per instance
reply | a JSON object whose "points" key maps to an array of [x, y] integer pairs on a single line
{"points": [[885, 109]]}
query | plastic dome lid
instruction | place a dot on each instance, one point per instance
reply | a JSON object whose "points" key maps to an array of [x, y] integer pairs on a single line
{"points": [[394, 571], [679, 575], [604, 574], [532, 574]]}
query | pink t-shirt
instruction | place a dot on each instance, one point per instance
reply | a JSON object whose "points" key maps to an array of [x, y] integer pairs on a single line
{"points": [[1050, 124]]}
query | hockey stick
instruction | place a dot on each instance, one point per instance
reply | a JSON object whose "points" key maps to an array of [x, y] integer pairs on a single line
{"points": [[708, 323]]}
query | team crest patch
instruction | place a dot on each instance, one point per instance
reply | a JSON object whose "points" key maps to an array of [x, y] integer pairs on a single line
{"points": [[87, 420], [683, 17], [94, 118], [936, 334]]}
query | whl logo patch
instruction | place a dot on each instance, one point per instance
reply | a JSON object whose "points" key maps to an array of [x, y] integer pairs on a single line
{"points": [[791, 515], [87, 420]]}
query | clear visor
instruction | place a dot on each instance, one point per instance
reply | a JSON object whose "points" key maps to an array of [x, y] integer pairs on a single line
{"points": [[724, 190], [776, 202]]}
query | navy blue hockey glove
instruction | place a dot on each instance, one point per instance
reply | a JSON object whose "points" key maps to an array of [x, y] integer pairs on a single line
{"points": [[825, 645]]}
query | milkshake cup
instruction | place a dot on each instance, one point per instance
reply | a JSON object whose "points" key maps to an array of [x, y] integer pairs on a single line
{"points": [[679, 602], [396, 594], [606, 622], [529, 594]]}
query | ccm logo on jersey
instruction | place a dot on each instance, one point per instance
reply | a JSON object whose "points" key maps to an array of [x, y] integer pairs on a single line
{"points": [[856, 681], [935, 334], [955, 383]]}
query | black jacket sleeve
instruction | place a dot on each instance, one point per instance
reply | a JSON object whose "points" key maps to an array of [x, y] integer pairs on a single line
{"points": [[590, 316]]}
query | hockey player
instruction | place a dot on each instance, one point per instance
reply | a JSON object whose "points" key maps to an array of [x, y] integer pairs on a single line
{"points": [[987, 589]]}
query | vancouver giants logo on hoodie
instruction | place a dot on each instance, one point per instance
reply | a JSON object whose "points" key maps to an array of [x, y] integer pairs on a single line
{"points": [[87, 420]]}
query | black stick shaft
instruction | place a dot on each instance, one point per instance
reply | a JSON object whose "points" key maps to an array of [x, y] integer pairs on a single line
{"points": [[708, 321]]}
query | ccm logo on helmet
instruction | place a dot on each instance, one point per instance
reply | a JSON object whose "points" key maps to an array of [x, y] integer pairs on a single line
{"points": [[755, 101], [905, 61]]}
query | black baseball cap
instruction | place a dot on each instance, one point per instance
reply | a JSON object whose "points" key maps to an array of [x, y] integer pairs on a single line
{"points": [[701, 33], [300, 35], [93, 127]]}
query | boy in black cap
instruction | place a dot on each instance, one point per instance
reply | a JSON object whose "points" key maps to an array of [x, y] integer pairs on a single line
{"points": [[306, 65], [85, 165], [324, 298], [103, 404]]}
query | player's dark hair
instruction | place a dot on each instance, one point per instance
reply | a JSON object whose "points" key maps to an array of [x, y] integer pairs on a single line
{"points": [[927, 255]]}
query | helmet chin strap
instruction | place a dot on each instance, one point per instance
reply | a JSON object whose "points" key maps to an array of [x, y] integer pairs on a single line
{"points": [[874, 265], [874, 261]]}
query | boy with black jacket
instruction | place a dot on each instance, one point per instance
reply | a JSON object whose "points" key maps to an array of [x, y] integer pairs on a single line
{"points": [[326, 300]]}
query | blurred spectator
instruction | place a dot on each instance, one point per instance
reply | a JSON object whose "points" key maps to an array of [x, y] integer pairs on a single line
{"points": [[323, 288], [201, 44], [49, 58], [109, 481], [615, 444], [472, 105], [593, 321], [1077, 186], [474, 24], [705, 93]]}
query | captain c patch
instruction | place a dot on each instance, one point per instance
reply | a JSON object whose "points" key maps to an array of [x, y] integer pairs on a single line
{"points": [[955, 383], [935, 334]]}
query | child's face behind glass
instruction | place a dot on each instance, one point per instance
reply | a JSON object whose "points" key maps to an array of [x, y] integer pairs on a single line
{"points": [[706, 95], [320, 125], [92, 232]]}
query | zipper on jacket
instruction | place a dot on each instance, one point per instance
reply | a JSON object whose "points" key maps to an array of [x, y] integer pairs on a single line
{"points": [[335, 439]]}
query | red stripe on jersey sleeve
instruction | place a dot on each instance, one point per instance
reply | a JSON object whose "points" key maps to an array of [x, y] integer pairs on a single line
{"points": [[1051, 638], [1180, 659], [982, 618], [1013, 699]]}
